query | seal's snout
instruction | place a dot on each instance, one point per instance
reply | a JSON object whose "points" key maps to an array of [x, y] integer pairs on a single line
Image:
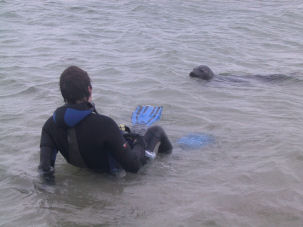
{"points": [[192, 74]]}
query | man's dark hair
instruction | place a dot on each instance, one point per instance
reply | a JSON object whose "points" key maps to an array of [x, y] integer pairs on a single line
{"points": [[74, 83]]}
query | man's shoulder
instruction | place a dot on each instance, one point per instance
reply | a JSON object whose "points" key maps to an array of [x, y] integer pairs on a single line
{"points": [[49, 124], [101, 117]]}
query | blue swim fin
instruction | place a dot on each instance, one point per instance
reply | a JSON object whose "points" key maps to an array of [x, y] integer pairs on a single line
{"points": [[196, 140], [146, 115]]}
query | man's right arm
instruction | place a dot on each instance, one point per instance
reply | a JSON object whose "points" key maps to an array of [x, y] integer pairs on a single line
{"points": [[130, 158]]}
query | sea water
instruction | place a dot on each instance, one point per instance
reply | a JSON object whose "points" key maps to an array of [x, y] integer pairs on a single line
{"points": [[141, 52]]}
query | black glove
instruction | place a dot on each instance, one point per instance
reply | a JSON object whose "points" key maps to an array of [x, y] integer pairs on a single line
{"points": [[134, 139]]}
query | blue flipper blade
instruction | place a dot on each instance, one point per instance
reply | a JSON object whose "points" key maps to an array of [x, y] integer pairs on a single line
{"points": [[135, 115], [146, 115], [196, 140], [155, 115]]}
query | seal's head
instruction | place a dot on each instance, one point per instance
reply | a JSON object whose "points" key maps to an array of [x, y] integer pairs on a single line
{"points": [[203, 72]]}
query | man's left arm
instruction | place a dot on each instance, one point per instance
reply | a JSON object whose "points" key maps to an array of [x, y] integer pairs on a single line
{"points": [[48, 152], [47, 160]]}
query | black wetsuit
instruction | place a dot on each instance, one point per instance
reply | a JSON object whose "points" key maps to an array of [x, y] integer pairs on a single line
{"points": [[97, 138]]}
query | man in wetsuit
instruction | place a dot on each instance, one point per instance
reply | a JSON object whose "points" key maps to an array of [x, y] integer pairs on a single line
{"points": [[90, 140]]}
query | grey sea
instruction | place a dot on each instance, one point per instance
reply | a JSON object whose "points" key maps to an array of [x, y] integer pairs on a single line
{"points": [[141, 52]]}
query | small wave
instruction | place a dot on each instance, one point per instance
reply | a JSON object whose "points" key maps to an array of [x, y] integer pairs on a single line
{"points": [[250, 80], [26, 91]]}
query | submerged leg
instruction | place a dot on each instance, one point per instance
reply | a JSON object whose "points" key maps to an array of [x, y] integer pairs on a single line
{"points": [[156, 136]]}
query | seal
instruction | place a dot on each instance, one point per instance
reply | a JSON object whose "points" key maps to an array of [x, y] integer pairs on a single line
{"points": [[203, 72]]}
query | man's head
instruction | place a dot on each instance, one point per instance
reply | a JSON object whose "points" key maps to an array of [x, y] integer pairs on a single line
{"points": [[75, 85]]}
